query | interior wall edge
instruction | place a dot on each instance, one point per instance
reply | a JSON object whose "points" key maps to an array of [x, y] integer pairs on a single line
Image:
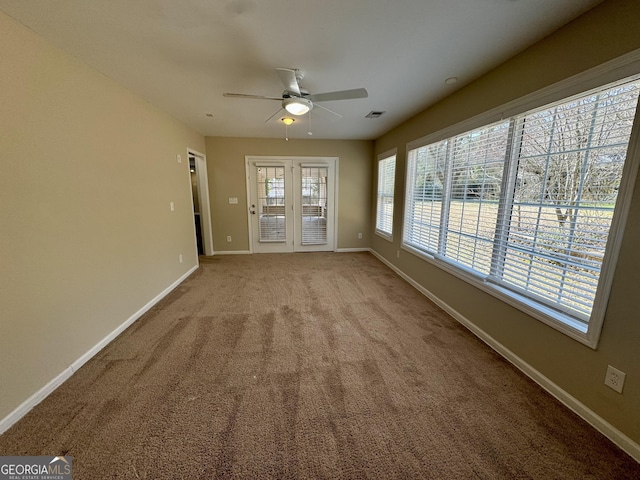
{"points": [[592, 418], [26, 406]]}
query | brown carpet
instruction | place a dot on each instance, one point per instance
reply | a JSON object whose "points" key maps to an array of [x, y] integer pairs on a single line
{"points": [[316, 365]]}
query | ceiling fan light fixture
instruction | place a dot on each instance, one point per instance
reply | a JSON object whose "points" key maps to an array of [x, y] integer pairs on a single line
{"points": [[297, 105], [287, 120]]}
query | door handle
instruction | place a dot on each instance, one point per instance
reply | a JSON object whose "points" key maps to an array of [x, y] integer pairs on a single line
{"points": [[252, 210]]}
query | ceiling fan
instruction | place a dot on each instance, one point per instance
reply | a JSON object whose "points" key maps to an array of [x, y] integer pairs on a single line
{"points": [[298, 101]]}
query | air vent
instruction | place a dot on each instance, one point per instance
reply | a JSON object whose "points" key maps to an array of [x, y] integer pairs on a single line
{"points": [[374, 114]]}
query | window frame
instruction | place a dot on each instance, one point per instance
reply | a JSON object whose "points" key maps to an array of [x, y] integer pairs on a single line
{"points": [[390, 154], [625, 68]]}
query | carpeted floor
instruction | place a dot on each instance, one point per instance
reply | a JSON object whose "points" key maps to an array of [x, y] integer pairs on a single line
{"points": [[316, 365]]}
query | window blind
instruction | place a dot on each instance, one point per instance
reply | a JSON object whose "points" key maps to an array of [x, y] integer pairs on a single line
{"points": [[314, 205], [527, 203], [569, 167], [386, 180], [426, 169], [476, 166], [271, 206]]}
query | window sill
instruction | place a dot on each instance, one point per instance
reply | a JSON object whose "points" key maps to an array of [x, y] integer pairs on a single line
{"points": [[386, 236]]}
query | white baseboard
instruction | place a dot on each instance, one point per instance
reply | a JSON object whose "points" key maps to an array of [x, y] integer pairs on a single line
{"points": [[46, 390], [349, 250], [595, 420], [247, 252]]}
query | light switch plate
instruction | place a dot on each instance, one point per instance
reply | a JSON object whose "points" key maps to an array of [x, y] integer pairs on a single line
{"points": [[233, 200]]}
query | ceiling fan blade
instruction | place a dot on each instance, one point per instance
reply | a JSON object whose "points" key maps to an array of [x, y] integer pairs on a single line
{"points": [[274, 115], [289, 80], [340, 95], [326, 113], [253, 97]]}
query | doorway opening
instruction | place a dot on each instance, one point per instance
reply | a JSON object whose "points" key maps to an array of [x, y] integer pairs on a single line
{"points": [[201, 205], [196, 204]]}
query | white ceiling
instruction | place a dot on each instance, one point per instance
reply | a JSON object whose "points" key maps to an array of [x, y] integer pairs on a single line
{"points": [[182, 55]]}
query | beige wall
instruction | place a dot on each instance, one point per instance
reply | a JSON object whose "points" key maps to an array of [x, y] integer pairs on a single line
{"points": [[87, 171], [602, 34], [226, 167]]}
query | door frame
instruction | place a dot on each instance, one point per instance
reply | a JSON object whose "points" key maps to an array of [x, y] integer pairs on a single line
{"points": [[333, 161], [203, 197]]}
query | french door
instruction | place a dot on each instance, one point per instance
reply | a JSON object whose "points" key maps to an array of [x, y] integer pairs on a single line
{"points": [[291, 203]]}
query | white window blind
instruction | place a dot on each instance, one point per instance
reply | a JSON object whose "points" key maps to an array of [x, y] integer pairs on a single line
{"points": [[384, 210], [423, 204], [456, 184], [527, 203], [569, 168], [314, 205], [271, 206], [475, 170]]}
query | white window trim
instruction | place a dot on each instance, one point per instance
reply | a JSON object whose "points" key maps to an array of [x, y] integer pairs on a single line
{"points": [[383, 156], [609, 72]]}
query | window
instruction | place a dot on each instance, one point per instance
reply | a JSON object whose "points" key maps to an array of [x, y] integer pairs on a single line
{"points": [[314, 205], [524, 207], [386, 180]]}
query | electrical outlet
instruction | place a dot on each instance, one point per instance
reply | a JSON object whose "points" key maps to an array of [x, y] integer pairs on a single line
{"points": [[172, 207], [614, 378], [397, 253], [180, 258], [229, 238], [360, 236]]}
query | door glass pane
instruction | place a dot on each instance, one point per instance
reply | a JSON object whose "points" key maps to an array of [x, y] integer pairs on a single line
{"points": [[314, 205], [271, 204]]}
